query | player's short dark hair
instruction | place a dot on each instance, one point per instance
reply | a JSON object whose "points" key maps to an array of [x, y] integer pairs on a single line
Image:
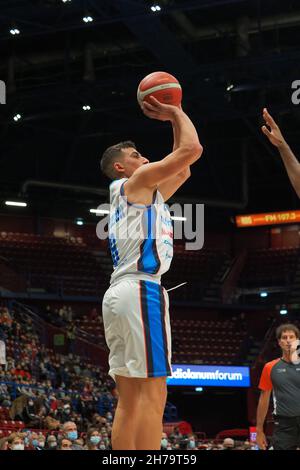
{"points": [[111, 155], [287, 327]]}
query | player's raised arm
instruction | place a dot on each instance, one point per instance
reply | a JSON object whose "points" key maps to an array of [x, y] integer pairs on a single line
{"points": [[188, 151], [273, 132]]}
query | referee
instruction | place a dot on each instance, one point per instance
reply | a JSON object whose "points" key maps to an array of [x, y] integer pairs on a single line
{"points": [[283, 378]]}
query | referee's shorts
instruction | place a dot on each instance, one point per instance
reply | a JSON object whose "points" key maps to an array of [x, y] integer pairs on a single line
{"points": [[286, 435]]}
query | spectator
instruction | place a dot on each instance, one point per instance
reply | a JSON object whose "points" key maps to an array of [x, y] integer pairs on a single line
{"points": [[4, 443], [41, 442], [17, 408], [164, 441], [64, 415], [69, 431], [15, 442], [51, 422], [51, 442], [65, 444], [228, 443], [93, 439], [191, 442]]}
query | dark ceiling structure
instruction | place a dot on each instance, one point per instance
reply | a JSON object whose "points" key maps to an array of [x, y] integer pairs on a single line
{"points": [[232, 57]]}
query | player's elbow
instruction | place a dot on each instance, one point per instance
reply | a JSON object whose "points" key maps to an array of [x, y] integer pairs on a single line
{"points": [[196, 151], [199, 151], [193, 151]]}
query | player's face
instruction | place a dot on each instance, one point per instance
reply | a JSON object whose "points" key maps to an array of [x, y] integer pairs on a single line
{"points": [[286, 340], [132, 160]]}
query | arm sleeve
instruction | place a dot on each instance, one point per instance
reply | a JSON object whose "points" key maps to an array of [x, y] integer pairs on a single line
{"points": [[265, 382]]}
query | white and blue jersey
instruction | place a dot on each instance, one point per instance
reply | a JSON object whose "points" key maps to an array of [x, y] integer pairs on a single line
{"points": [[140, 237], [136, 307]]}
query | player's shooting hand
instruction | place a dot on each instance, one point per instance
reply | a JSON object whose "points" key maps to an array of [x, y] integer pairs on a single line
{"points": [[159, 111], [271, 130]]}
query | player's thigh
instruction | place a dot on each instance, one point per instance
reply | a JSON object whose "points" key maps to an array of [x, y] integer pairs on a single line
{"points": [[154, 393], [129, 392]]}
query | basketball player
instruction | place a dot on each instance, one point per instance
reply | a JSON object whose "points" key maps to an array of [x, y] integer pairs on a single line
{"points": [[283, 378], [290, 161], [135, 307]]}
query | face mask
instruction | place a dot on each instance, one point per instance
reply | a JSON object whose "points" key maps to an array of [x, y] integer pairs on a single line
{"points": [[30, 403], [192, 444], [67, 411], [95, 439], [72, 435], [52, 444], [102, 447], [18, 447], [41, 444], [35, 442], [164, 442]]}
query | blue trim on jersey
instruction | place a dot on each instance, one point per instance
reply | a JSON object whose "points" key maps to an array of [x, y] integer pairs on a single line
{"points": [[156, 330], [149, 261], [114, 251]]}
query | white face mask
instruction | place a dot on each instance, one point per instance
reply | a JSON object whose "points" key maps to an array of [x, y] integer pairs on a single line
{"points": [[164, 442], [18, 447], [42, 444]]}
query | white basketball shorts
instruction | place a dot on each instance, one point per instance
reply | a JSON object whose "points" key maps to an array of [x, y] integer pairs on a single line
{"points": [[137, 329]]}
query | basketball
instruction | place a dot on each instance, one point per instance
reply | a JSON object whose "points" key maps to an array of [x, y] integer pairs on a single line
{"points": [[163, 86]]}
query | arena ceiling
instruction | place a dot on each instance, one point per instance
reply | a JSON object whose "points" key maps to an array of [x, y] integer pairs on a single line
{"points": [[231, 57]]}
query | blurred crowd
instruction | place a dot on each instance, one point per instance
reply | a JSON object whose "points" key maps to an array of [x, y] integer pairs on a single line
{"points": [[62, 402], [177, 441], [53, 394]]}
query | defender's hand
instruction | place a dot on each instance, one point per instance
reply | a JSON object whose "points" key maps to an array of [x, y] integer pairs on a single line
{"points": [[274, 134]]}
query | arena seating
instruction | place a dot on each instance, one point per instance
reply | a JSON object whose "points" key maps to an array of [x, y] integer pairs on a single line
{"points": [[55, 265], [269, 267], [207, 342], [77, 267]]}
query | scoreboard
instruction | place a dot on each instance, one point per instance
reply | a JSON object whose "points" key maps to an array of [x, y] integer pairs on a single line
{"points": [[269, 218]]}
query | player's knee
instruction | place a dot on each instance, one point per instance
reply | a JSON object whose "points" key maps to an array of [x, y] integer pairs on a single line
{"points": [[128, 406], [154, 398]]}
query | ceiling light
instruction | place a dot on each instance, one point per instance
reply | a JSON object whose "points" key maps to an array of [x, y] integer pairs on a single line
{"points": [[264, 294], [16, 204]]}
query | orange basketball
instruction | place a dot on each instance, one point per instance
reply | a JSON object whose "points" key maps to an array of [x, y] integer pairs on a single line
{"points": [[163, 86]]}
